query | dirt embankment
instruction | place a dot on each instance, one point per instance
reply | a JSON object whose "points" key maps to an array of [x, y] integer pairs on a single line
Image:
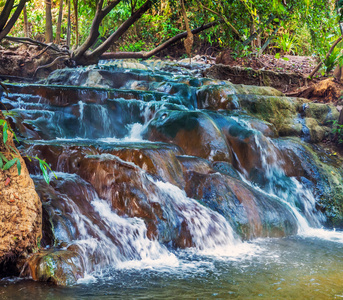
{"points": [[23, 60]]}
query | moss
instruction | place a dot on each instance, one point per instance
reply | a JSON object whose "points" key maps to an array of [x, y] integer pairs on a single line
{"points": [[323, 113]]}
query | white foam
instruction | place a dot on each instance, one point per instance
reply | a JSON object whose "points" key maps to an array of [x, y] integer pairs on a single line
{"points": [[323, 234]]}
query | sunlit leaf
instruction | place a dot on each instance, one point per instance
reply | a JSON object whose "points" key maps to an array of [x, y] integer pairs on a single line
{"points": [[4, 134], [18, 166], [9, 164], [3, 157]]}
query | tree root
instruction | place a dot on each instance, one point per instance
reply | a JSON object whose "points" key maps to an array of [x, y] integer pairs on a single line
{"points": [[49, 47], [25, 41], [50, 64]]}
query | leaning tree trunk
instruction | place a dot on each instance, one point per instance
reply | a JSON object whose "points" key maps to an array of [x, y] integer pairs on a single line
{"points": [[26, 24], [48, 22], [75, 2], [69, 26], [82, 57], [165, 45], [59, 23], [189, 40], [6, 23]]}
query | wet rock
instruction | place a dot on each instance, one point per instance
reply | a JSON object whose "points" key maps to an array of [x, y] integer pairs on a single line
{"points": [[275, 110], [250, 213], [194, 132], [61, 267], [325, 114], [319, 171], [245, 143], [217, 97]]}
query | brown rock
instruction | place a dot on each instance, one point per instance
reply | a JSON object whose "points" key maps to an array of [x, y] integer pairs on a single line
{"points": [[20, 222]]}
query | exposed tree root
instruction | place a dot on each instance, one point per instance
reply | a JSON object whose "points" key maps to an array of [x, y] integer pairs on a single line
{"points": [[50, 64]]}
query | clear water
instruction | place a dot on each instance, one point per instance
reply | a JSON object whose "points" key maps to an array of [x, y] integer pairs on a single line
{"points": [[288, 268]]}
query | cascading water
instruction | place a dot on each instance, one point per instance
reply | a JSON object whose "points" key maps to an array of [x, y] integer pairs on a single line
{"points": [[160, 180], [274, 182]]}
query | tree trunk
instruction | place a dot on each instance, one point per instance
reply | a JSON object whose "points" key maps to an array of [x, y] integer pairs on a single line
{"points": [[26, 24], [69, 26], [94, 31], [94, 56], [148, 54], [59, 23], [48, 22], [5, 24], [75, 2], [189, 40], [6, 11]]}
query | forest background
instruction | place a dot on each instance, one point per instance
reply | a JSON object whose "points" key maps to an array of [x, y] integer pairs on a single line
{"points": [[246, 27]]}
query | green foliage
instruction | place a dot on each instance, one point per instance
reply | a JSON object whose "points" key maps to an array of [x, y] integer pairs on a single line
{"points": [[337, 130], [330, 62], [305, 27], [286, 43], [6, 164]]}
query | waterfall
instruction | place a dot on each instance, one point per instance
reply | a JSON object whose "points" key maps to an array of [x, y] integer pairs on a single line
{"points": [[275, 182], [143, 176]]}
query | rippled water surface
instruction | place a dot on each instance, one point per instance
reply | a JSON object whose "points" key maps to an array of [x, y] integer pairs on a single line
{"points": [[289, 268]]}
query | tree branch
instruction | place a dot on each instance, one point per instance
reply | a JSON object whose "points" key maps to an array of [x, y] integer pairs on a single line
{"points": [[166, 44], [106, 10], [50, 65], [225, 20], [121, 30], [94, 31], [25, 41]]}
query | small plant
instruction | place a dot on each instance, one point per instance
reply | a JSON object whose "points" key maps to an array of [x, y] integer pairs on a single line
{"points": [[337, 130], [286, 43], [332, 60]]}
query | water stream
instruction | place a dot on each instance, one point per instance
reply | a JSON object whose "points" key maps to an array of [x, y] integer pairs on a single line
{"points": [[169, 187]]}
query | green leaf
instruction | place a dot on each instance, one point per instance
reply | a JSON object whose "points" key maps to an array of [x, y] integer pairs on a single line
{"points": [[14, 135], [15, 151], [1, 163], [5, 135], [277, 55], [18, 166], [10, 164], [285, 58], [276, 20], [44, 171], [3, 157]]}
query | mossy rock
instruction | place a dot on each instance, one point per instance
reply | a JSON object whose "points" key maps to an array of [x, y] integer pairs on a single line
{"points": [[323, 113], [61, 267], [317, 132], [257, 90]]}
